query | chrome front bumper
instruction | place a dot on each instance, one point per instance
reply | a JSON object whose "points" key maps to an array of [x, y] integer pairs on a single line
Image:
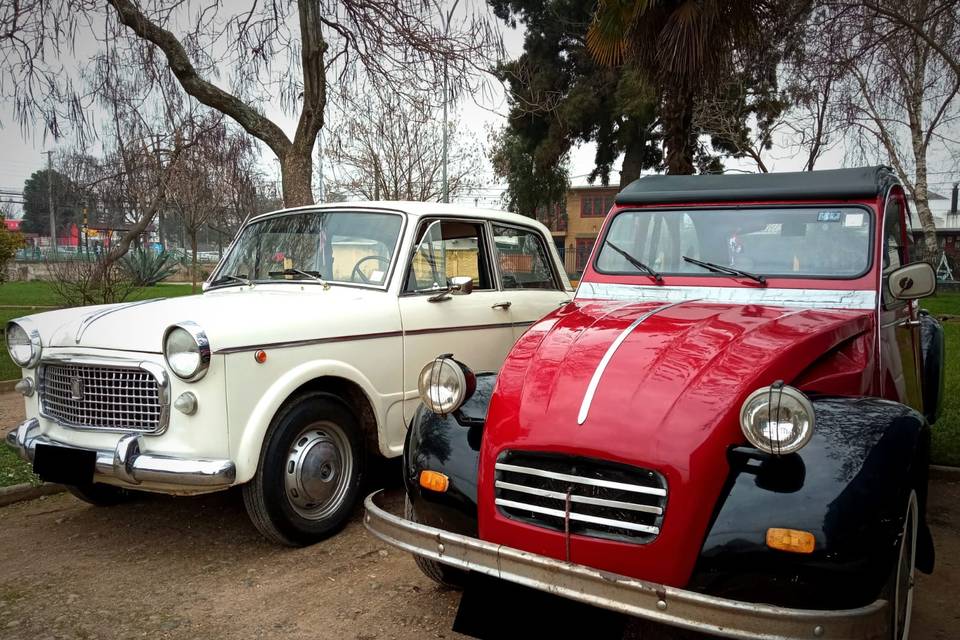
{"points": [[668, 605], [128, 465]]}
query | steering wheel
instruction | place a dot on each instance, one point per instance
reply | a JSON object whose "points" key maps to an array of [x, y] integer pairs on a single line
{"points": [[357, 274]]}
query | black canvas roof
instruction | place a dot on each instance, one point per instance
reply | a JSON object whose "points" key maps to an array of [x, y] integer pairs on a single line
{"points": [[859, 182]]}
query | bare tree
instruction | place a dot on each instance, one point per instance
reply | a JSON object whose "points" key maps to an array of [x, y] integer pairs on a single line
{"points": [[898, 93], [237, 62], [389, 147], [205, 178]]}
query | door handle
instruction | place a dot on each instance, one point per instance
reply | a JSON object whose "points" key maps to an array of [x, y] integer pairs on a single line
{"points": [[502, 305], [909, 323]]}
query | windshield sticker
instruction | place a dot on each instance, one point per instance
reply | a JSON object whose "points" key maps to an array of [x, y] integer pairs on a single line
{"points": [[853, 220], [829, 216]]}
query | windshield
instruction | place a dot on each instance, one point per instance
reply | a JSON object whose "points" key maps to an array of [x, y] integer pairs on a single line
{"points": [[334, 246], [789, 241]]}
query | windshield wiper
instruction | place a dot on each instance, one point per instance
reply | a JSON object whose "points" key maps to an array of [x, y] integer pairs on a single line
{"points": [[313, 275], [231, 278], [730, 271], [635, 262]]}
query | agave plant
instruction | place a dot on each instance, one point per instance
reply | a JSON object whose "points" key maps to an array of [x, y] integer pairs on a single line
{"points": [[147, 268]]}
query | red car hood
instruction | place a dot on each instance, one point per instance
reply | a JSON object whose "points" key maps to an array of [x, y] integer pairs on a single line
{"points": [[668, 400]]}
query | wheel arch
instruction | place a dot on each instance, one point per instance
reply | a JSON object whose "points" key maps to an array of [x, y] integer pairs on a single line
{"points": [[334, 377]]}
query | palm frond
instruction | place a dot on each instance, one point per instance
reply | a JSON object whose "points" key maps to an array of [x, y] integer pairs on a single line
{"points": [[609, 33]]}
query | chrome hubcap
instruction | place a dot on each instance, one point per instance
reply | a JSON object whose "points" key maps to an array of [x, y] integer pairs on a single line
{"points": [[318, 470]]}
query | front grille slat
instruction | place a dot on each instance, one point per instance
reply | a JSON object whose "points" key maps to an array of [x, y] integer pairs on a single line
{"points": [[111, 398], [587, 496]]}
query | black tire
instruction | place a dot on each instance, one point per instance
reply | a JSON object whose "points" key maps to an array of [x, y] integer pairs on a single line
{"points": [[315, 426], [900, 588], [101, 495], [442, 574]]}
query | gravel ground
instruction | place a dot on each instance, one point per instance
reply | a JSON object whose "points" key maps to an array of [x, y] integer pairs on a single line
{"points": [[165, 567]]}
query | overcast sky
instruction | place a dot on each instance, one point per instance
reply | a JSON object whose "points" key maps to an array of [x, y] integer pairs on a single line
{"points": [[21, 153]]}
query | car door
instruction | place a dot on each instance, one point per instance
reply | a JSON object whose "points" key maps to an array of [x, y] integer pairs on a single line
{"points": [[528, 276], [899, 325], [476, 328]]}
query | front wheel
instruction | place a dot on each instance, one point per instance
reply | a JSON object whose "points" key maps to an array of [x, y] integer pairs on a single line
{"points": [[442, 574], [310, 472], [900, 588]]}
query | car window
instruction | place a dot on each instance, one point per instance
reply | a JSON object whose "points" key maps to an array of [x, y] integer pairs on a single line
{"points": [[894, 250], [815, 241], [338, 246], [447, 249], [523, 259]]}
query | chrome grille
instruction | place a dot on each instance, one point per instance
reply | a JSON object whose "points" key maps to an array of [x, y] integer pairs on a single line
{"points": [[102, 397], [591, 497]]}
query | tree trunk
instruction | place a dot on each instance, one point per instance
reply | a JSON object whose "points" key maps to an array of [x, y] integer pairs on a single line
{"points": [[678, 131], [921, 200], [632, 159], [296, 169], [193, 260]]}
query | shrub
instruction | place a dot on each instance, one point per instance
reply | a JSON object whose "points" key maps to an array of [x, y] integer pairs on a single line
{"points": [[81, 282], [10, 241], [147, 268]]}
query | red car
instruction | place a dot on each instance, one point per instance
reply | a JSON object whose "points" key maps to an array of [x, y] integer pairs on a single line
{"points": [[727, 430]]}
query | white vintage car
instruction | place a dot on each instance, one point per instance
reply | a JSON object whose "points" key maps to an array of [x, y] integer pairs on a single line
{"points": [[299, 361]]}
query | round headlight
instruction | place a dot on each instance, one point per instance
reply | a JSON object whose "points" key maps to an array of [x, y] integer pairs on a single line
{"points": [[23, 343], [777, 419], [187, 351], [445, 384]]}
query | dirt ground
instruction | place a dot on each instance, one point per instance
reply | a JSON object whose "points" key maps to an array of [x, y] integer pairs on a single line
{"points": [[166, 567]]}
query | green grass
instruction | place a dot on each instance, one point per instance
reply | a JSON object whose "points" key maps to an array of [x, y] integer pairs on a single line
{"points": [[37, 293], [13, 470], [943, 304], [946, 433]]}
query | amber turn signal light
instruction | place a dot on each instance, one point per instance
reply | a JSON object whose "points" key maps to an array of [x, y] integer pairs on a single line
{"points": [[791, 540], [434, 481], [260, 356]]}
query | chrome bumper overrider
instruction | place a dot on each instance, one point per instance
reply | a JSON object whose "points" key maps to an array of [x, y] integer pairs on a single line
{"points": [[677, 607], [127, 464]]}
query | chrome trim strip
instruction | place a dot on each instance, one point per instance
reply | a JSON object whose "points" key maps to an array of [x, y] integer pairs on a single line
{"points": [[93, 317], [579, 517], [609, 484], [623, 594], [598, 502], [598, 373], [126, 464], [804, 298]]}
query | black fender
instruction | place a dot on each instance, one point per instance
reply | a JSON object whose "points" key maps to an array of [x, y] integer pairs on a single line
{"points": [[849, 486], [932, 376], [449, 444]]}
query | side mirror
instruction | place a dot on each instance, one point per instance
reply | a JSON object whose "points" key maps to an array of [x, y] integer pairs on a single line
{"points": [[204, 285], [913, 281], [461, 285]]}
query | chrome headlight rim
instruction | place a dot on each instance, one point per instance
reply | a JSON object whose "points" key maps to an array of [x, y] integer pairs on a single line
{"points": [[430, 378], [773, 394], [203, 349], [36, 344]]}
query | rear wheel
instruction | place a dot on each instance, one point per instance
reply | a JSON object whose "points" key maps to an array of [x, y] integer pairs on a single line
{"points": [[310, 472], [440, 573], [101, 495], [900, 589]]}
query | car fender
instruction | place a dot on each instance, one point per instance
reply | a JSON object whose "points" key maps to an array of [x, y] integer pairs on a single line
{"points": [[448, 444], [848, 487], [247, 452]]}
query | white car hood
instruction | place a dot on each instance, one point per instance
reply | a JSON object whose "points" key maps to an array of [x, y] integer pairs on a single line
{"points": [[231, 317]]}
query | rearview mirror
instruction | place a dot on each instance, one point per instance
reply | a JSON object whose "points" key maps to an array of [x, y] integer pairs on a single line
{"points": [[913, 281], [461, 285]]}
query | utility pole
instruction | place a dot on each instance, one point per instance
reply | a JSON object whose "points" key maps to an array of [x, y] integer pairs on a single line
{"points": [[446, 33], [53, 220]]}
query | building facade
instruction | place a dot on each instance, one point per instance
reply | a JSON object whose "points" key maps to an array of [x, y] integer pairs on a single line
{"points": [[576, 223]]}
